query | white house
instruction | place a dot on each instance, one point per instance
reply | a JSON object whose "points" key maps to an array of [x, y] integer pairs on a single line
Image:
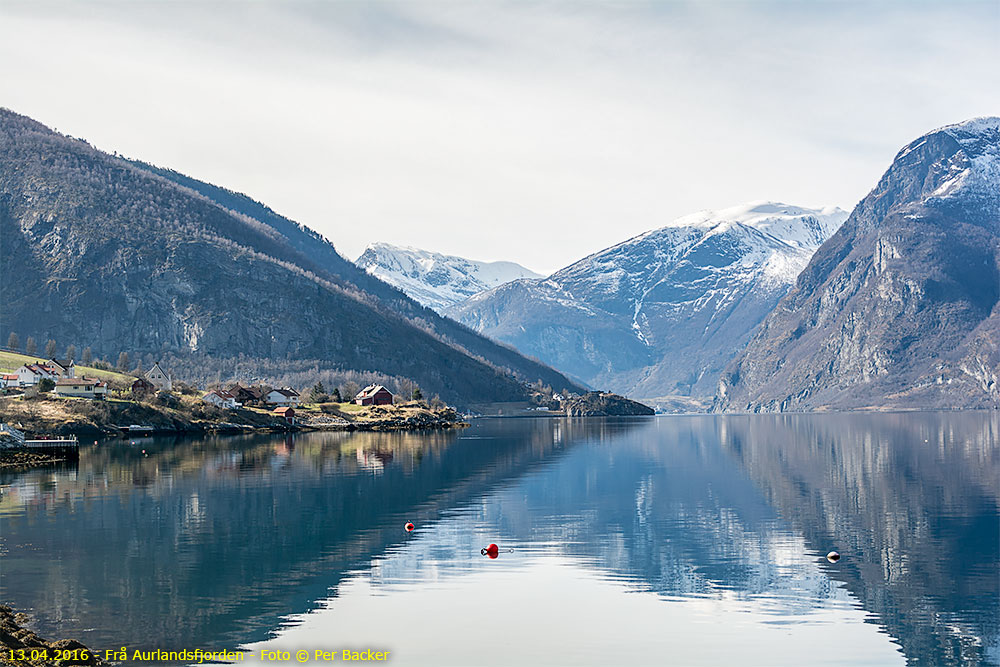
{"points": [[284, 396], [67, 367], [29, 375], [221, 399], [159, 378], [81, 388]]}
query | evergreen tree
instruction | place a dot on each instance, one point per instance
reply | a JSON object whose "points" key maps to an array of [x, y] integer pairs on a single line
{"points": [[337, 398], [318, 393], [50, 349], [123, 362], [71, 352], [417, 394], [30, 347], [13, 342], [88, 356]]}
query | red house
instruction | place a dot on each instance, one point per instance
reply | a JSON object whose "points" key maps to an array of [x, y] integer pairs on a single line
{"points": [[286, 412], [374, 394]]}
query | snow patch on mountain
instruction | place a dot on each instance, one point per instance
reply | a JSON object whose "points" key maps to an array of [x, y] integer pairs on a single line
{"points": [[660, 313], [436, 280]]}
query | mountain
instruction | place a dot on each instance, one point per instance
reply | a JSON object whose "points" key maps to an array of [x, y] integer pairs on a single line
{"points": [[899, 309], [435, 280], [123, 256], [662, 313]]}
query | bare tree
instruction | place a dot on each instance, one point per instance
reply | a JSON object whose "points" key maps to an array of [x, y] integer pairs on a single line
{"points": [[13, 342], [88, 356], [350, 390], [31, 347], [71, 352], [50, 349], [405, 388], [123, 362]]}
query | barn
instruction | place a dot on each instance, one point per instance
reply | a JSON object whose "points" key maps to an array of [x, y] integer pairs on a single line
{"points": [[374, 394], [286, 412]]}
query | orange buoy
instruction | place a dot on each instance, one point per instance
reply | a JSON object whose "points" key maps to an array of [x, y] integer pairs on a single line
{"points": [[833, 556], [492, 551], [409, 527]]}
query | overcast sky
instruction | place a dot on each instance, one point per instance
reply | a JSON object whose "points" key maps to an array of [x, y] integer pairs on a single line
{"points": [[531, 131]]}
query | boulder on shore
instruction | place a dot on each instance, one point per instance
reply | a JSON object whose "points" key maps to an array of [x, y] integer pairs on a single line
{"points": [[38, 652]]}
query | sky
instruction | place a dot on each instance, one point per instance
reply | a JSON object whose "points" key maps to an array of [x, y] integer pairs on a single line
{"points": [[535, 132]]}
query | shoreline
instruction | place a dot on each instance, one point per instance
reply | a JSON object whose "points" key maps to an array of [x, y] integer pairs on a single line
{"points": [[86, 421], [37, 652]]}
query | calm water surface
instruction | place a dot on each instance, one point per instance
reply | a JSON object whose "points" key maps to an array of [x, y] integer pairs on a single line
{"points": [[676, 540]]}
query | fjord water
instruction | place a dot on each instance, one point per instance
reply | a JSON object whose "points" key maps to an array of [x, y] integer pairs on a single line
{"points": [[674, 540]]}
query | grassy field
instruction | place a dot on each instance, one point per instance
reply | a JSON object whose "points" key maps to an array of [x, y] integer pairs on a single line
{"points": [[11, 361]]}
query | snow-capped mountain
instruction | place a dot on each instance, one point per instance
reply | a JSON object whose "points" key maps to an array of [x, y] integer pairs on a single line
{"points": [[662, 313], [901, 308], [435, 280]]}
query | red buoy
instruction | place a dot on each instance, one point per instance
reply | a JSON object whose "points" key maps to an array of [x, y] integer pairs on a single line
{"points": [[409, 527], [492, 551]]}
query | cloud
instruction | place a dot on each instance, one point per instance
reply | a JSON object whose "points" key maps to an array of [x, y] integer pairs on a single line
{"points": [[536, 132]]}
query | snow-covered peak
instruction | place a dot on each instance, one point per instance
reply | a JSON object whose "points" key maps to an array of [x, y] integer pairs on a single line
{"points": [[974, 129], [434, 279], [972, 174], [796, 225], [757, 230]]}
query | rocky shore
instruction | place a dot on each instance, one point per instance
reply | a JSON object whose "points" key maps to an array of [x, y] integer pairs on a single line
{"points": [[54, 416], [600, 404], [22, 647], [415, 416]]}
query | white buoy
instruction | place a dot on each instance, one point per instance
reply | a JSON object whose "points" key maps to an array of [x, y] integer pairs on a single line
{"points": [[833, 556]]}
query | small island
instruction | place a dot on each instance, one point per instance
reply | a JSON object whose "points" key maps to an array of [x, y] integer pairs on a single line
{"points": [[604, 404]]}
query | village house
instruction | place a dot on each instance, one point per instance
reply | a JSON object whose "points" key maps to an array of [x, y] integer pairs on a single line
{"points": [[159, 377], [67, 367], [29, 375], [374, 394], [142, 386], [250, 395], [284, 396], [81, 388], [287, 413], [221, 398], [9, 380]]}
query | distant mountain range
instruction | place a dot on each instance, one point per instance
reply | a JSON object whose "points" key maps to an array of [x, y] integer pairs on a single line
{"points": [[901, 307], [435, 280], [765, 306], [118, 256], [659, 315]]}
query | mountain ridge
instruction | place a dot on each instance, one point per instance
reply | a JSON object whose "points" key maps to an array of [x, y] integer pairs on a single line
{"points": [[115, 255], [661, 313], [434, 279], [899, 309]]}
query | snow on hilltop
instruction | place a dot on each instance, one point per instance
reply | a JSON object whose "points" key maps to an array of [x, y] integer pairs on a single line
{"points": [[777, 237], [436, 280], [661, 313]]}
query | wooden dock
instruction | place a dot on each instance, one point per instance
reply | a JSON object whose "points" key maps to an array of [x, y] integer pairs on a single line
{"points": [[53, 443]]}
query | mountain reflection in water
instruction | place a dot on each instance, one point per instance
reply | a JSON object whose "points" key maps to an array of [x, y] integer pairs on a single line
{"points": [[221, 542]]}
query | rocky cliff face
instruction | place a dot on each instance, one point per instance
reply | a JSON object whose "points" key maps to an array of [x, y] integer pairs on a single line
{"points": [[435, 280], [660, 314], [899, 309], [117, 257]]}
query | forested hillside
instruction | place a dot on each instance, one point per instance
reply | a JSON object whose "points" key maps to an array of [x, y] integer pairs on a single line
{"points": [[110, 255]]}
